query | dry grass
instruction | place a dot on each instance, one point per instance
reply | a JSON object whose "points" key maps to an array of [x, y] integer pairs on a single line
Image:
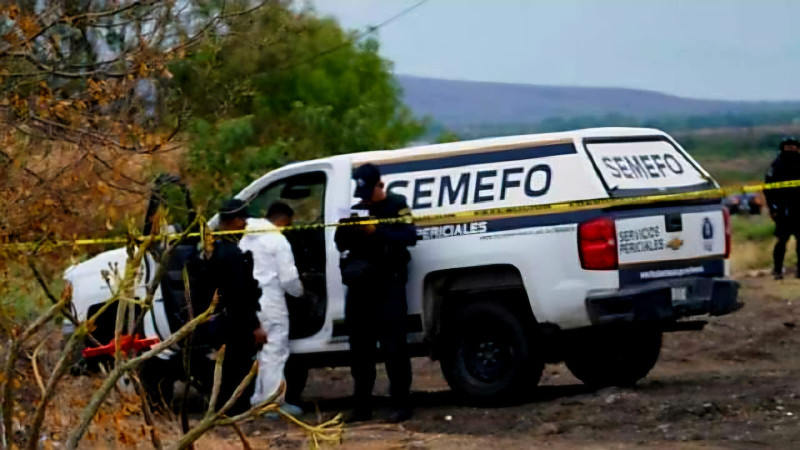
{"points": [[753, 241]]}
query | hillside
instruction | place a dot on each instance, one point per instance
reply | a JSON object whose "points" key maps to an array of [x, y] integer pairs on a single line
{"points": [[462, 105]]}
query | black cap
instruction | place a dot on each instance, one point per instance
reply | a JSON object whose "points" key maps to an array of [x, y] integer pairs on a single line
{"points": [[789, 140], [367, 177], [232, 209]]}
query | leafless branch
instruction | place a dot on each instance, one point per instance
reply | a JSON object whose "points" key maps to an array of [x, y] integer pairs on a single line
{"points": [[242, 438], [212, 404], [99, 396], [148, 414], [34, 362], [58, 372], [66, 312], [211, 420], [52, 71], [13, 355]]}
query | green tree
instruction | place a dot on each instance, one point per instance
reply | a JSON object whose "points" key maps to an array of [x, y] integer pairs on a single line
{"points": [[447, 136], [283, 86]]}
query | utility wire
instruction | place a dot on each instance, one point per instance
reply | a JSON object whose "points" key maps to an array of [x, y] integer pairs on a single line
{"points": [[359, 36]]}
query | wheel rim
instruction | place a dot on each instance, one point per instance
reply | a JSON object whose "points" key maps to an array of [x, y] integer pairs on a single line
{"points": [[487, 359]]}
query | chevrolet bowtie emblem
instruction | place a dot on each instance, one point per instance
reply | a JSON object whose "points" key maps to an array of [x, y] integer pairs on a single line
{"points": [[675, 243]]}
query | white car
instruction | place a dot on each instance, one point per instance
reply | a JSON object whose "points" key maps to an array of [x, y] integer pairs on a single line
{"points": [[496, 296]]}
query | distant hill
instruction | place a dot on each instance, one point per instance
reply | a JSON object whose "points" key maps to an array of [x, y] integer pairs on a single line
{"points": [[464, 105]]}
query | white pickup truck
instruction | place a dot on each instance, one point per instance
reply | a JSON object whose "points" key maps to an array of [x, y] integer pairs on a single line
{"points": [[494, 298]]}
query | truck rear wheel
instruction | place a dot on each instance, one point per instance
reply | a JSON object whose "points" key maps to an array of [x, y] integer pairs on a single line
{"points": [[487, 355], [614, 357], [158, 377]]}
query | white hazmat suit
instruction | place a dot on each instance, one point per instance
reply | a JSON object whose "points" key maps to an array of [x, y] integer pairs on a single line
{"points": [[277, 275]]}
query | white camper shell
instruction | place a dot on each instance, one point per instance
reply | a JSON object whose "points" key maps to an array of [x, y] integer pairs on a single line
{"points": [[495, 297]]}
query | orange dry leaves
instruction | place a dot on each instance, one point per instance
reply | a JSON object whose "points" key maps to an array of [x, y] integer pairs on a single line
{"points": [[29, 26]]}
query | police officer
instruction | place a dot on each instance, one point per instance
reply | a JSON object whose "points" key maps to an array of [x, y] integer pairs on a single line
{"points": [[784, 204], [232, 272], [374, 268]]}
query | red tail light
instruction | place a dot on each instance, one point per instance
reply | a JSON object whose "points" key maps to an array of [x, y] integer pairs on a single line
{"points": [[597, 241], [727, 215]]}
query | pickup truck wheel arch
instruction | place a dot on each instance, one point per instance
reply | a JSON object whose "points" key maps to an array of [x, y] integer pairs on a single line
{"points": [[446, 291]]}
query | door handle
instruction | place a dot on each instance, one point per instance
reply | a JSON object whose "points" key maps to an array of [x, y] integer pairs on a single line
{"points": [[674, 222]]}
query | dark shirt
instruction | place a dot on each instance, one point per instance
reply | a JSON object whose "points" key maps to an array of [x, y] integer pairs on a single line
{"points": [[387, 247], [784, 202], [237, 289]]}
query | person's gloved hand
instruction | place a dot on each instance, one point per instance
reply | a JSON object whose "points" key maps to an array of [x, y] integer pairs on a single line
{"points": [[260, 336]]}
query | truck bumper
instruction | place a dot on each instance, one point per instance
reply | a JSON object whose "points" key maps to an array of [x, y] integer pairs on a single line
{"points": [[665, 300]]}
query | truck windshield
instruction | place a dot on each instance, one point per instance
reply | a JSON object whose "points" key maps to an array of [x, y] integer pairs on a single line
{"points": [[641, 166]]}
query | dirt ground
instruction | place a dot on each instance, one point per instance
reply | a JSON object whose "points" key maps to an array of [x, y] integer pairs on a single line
{"points": [[734, 385]]}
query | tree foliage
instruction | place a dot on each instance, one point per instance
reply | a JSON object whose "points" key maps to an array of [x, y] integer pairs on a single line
{"points": [[81, 97], [283, 86]]}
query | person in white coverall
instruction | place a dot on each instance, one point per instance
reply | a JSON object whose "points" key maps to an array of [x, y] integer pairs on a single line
{"points": [[277, 275]]}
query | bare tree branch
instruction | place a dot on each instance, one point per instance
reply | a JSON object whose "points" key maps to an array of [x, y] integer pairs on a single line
{"points": [[212, 404], [52, 71], [148, 414], [34, 362], [242, 438], [11, 360], [211, 421], [99, 396], [58, 372], [89, 16]]}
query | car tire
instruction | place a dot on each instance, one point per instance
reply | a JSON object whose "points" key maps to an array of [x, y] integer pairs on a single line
{"points": [[614, 357], [158, 378], [487, 355]]}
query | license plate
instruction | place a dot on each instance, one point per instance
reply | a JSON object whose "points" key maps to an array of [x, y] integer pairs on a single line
{"points": [[679, 294]]}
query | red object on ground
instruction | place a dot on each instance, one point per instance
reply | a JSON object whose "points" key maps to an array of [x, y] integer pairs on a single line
{"points": [[126, 344]]}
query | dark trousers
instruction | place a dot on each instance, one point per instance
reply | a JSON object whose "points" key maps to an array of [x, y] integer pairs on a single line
{"points": [[375, 313], [240, 353], [785, 228], [296, 374], [239, 357]]}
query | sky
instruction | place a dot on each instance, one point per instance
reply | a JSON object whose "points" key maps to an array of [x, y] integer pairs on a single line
{"points": [[716, 49]]}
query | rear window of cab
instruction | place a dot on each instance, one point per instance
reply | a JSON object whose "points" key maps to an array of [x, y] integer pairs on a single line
{"points": [[644, 165]]}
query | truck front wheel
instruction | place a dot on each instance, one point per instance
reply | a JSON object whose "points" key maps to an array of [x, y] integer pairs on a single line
{"points": [[614, 357], [487, 356]]}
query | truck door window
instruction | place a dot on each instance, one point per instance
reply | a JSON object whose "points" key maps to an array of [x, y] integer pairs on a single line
{"points": [[305, 194]]}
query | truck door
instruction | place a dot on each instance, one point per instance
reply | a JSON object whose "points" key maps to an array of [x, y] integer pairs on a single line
{"points": [[305, 194]]}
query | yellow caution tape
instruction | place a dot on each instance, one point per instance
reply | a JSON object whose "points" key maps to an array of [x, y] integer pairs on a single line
{"points": [[438, 219]]}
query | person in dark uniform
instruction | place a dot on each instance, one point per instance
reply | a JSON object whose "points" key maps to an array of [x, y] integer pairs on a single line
{"points": [[238, 291], [784, 204], [374, 267]]}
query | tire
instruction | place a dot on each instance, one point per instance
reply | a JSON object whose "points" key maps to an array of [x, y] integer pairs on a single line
{"points": [[158, 377], [614, 357], [487, 355]]}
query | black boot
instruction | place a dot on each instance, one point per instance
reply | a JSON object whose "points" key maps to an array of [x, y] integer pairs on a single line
{"points": [[359, 414], [399, 414], [778, 254]]}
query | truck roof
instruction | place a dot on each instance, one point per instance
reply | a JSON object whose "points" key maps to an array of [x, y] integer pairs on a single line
{"points": [[381, 156]]}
